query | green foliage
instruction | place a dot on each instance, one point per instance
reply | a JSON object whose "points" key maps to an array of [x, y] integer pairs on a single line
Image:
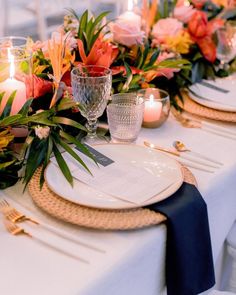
{"points": [[37, 151], [9, 167], [136, 63], [89, 28]]}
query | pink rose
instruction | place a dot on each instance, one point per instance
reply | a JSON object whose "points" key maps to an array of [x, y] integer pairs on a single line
{"points": [[127, 30], [183, 12], [164, 28]]}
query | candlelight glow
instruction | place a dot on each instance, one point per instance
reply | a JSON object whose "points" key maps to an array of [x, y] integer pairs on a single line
{"points": [[151, 99], [11, 61]]}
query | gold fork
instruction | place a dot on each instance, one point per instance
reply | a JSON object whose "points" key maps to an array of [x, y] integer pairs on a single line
{"points": [[15, 216], [15, 230], [12, 214], [206, 126]]}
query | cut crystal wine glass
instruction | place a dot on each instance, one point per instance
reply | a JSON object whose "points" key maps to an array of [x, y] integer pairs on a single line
{"points": [[91, 87], [226, 44]]}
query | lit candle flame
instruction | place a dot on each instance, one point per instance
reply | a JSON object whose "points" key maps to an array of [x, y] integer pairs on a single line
{"points": [[151, 99], [186, 3], [12, 66]]}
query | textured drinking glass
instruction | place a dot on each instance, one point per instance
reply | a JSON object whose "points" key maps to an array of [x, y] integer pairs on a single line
{"points": [[91, 88], [125, 116], [226, 44]]}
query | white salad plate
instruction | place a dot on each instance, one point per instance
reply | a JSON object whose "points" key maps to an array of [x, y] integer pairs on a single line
{"points": [[213, 98], [154, 162]]}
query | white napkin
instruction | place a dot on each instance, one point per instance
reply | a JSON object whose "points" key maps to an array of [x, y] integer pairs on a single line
{"points": [[120, 180]]}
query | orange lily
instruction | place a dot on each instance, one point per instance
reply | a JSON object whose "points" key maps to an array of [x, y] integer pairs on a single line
{"points": [[149, 14], [61, 61], [122, 70], [102, 53]]}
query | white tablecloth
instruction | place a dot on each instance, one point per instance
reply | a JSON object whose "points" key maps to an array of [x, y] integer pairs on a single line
{"points": [[134, 261]]}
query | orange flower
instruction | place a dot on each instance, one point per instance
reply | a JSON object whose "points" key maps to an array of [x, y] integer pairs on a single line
{"points": [[198, 3], [61, 60], [197, 26], [36, 86], [208, 48], [122, 70], [102, 53], [201, 31], [214, 25]]}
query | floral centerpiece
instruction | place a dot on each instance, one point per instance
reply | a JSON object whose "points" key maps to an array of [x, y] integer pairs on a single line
{"points": [[168, 46]]}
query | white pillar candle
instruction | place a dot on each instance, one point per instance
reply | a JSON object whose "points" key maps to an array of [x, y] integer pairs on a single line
{"points": [[10, 85], [130, 18], [152, 110]]}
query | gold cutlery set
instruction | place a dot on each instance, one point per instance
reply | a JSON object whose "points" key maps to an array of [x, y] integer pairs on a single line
{"points": [[194, 159], [12, 217], [214, 128]]}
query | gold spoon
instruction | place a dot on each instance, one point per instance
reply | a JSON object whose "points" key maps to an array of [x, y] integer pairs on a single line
{"points": [[197, 164], [181, 147]]}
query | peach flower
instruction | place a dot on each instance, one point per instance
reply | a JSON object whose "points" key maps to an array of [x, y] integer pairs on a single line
{"points": [[165, 28]]}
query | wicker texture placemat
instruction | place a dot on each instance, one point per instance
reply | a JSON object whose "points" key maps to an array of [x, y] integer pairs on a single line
{"points": [[95, 218], [195, 108]]}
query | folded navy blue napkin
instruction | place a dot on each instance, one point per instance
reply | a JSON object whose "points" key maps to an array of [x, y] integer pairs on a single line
{"points": [[189, 261]]}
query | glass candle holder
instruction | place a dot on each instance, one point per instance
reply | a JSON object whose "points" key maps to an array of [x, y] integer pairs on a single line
{"points": [[15, 77], [14, 41], [156, 106]]}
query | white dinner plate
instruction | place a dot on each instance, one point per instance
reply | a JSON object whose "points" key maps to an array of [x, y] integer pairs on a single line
{"points": [[156, 163], [215, 99]]}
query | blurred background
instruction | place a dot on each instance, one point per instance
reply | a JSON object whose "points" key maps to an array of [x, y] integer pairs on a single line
{"points": [[37, 18]]}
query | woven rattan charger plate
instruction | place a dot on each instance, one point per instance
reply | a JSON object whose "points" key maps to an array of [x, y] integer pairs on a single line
{"points": [[197, 109], [95, 218]]}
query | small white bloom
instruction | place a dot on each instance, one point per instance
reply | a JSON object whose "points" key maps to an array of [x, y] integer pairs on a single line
{"points": [[42, 132]]}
